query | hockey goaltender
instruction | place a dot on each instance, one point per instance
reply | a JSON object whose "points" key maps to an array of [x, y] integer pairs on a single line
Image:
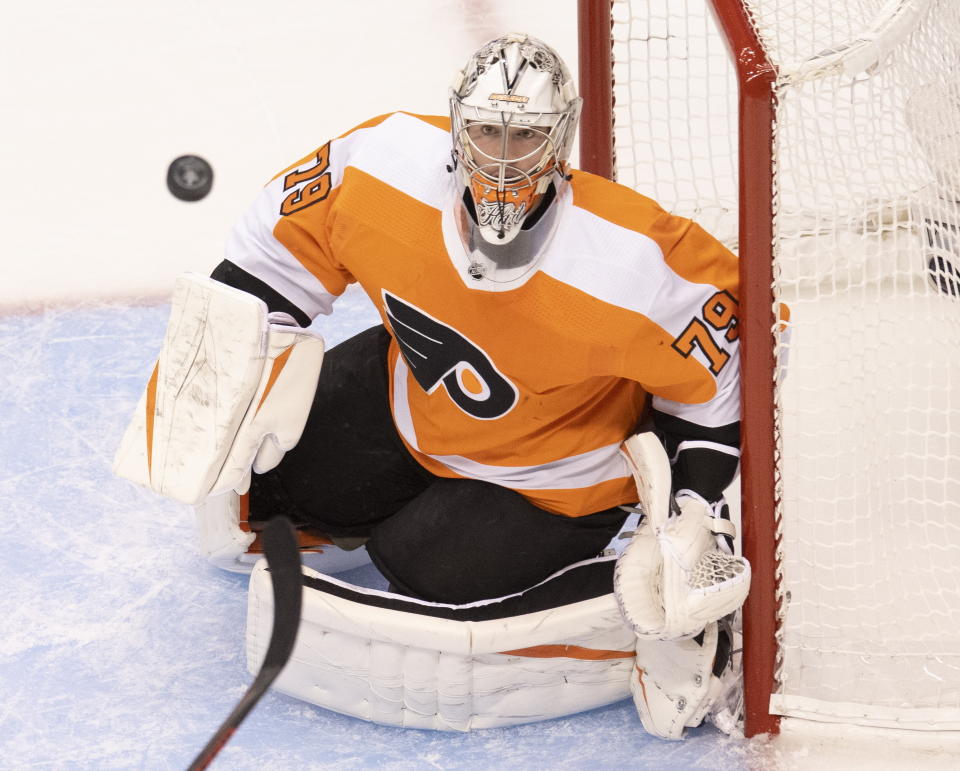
{"points": [[481, 442]]}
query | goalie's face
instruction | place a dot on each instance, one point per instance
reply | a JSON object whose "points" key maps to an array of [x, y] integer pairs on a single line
{"points": [[505, 163], [506, 154]]}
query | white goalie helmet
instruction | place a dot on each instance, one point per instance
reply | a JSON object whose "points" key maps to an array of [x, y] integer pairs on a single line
{"points": [[514, 112]]}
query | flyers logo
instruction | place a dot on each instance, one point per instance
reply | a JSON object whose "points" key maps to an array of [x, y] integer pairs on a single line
{"points": [[439, 355]]}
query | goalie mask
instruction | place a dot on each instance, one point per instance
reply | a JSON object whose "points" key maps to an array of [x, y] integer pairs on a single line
{"points": [[514, 112]]}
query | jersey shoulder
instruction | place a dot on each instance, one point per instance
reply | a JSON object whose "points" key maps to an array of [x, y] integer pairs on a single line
{"points": [[625, 207], [402, 118], [399, 130], [686, 249]]}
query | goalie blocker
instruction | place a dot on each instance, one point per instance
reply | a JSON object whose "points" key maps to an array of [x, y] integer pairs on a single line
{"points": [[230, 392]]}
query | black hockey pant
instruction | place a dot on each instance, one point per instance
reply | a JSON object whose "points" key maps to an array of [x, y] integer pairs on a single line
{"points": [[442, 540]]}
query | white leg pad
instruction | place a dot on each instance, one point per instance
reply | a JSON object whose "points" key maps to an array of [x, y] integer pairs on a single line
{"points": [[222, 541], [672, 684], [404, 668], [225, 544]]}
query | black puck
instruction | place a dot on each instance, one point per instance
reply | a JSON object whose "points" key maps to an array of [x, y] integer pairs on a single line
{"points": [[189, 178]]}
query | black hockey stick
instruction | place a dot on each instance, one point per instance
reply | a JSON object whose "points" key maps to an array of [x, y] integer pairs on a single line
{"points": [[282, 551]]}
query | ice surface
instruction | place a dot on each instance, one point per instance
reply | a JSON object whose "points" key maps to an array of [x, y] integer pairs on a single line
{"points": [[122, 648]]}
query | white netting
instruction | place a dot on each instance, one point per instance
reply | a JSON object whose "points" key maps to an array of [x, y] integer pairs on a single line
{"points": [[675, 111], [867, 255]]}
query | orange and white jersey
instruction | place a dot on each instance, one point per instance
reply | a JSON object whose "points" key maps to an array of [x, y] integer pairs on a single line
{"points": [[531, 385]]}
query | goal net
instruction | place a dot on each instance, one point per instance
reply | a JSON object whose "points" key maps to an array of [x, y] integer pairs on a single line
{"points": [[848, 139]]}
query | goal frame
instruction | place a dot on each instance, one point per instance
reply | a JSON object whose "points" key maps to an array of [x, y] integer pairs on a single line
{"points": [[758, 469]]}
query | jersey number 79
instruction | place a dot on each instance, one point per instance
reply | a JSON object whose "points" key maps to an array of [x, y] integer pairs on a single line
{"points": [[720, 312], [313, 184]]}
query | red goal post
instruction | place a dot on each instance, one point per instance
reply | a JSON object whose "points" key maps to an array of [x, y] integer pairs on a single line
{"points": [[597, 156]]}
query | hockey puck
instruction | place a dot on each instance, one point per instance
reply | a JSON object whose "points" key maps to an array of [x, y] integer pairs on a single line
{"points": [[189, 178]]}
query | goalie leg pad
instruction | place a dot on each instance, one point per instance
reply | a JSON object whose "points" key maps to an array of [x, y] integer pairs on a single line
{"points": [[673, 685], [227, 541], [390, 659], [230, 391], [222, 541]]}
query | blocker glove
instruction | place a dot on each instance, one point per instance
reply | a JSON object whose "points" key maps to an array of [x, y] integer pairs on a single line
{"points": [[230, 394]]}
